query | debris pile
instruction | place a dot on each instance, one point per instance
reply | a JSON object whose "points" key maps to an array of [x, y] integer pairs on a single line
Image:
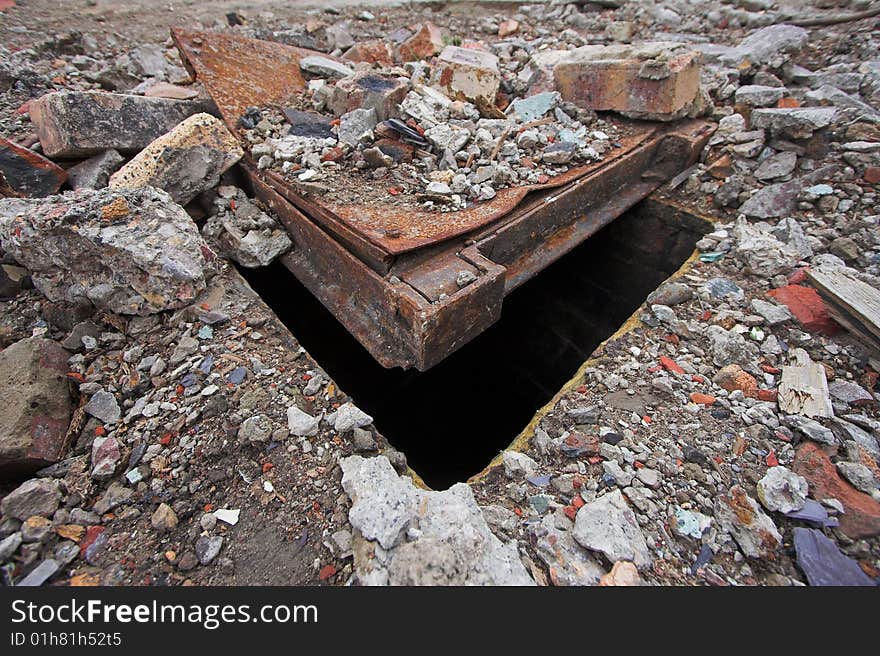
{"points": [[162, 427]]}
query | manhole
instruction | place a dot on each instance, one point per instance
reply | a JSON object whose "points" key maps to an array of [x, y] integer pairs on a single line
{"points": [[451, 420]]}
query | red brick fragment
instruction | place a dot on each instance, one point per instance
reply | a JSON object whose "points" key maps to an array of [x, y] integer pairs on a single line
{"points": [[807, 306]]}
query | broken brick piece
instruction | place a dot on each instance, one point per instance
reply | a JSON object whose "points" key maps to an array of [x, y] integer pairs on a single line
{"points": [[872, 175], [78, 124], [732, 377], [369, 91], [467, 74], [427, 42], [862, 516], [670, 365], [29, 173], [702, 399], [185, 162], [374, 51], [658, 81], [807, 306]]}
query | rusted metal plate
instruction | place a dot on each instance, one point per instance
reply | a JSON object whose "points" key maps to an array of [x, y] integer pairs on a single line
{"points": [[239, 72], [413, 285]]}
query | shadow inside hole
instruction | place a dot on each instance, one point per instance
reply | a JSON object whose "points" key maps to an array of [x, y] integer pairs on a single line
{"points": [[451, 420]]}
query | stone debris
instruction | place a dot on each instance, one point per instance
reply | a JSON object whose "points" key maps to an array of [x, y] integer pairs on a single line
{"points": [[194, 397], [754, 532], [77, 124], [36, 496], [608, 526], [467, 74], [402, 527], [656, 81], [567, 562], [95, 172], [129, 251], [28, 173], [781, 490], [823, 563], [184, 162], [242, 231], [37, 405]]}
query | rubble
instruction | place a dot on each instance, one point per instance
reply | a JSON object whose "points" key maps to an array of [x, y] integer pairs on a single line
{"points": [[37, 405], [782, 491], [754, 532], [466, 74], [242, 231], [608, 526], [94, 172], [79, 124], [37, 496], [184, 162], [130, 251], [655, 81], [822, 561], [682, 417], [28, 173], [401, 527]]}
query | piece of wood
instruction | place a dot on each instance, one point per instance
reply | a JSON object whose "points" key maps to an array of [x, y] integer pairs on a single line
{"points": [[851, 302], [803, 388]]}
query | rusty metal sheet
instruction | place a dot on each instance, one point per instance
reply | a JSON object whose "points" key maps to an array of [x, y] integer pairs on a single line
{"points": [[239, 72]]}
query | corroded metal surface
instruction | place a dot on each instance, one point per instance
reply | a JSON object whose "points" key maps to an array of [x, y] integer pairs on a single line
{"points": [[239, 72], [393, 275]]}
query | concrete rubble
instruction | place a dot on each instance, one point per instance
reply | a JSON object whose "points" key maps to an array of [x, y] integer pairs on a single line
{"points": [[164, 427], [412, 537]]}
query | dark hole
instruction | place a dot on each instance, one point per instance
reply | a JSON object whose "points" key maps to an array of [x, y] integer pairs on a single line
{"points": [[451, 420]]}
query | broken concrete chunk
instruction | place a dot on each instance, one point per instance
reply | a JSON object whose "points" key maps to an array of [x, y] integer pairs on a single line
{"points": [[609, 526], [382, 93], [37, 405], [518, 464], [756, 95], [324, 67], [793, 122], [128, 251], [659, 80], [185, 162], [302, 424], [357, 125], [78, 124], [400, 529], [349, 417], [781, 490], [533, 107], [37, 496], [95, 172], [567, 562], [466, 74], [29, 173], [755, 533]]}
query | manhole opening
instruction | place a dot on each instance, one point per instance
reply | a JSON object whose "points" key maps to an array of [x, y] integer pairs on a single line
{"points": [[451, 420]]}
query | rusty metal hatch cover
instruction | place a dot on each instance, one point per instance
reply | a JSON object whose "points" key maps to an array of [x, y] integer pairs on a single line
{"points": [[389, 274]]}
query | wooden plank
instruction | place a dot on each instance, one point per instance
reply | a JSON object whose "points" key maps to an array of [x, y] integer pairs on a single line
{"points": [[851, 302], [803, 388]]}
